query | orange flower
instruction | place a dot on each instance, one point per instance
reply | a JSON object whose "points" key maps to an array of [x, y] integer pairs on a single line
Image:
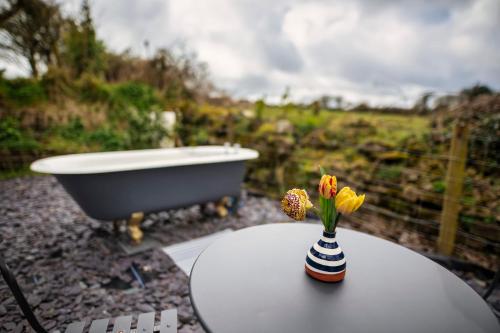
{"points": [[327, 186]]}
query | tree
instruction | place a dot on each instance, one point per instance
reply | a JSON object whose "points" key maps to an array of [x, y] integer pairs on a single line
{"points": [[11, 8], [476, 90], [316, 106], [31, 29], [260, 106], [83, 52], [339, 101], [422, 104], [285, 96]]}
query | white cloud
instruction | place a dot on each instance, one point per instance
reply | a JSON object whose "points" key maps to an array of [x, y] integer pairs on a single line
{"points": [[380, 51]]}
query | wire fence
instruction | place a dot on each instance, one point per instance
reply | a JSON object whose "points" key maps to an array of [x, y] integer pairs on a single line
{"points": [[426, 199], [482, 224]]}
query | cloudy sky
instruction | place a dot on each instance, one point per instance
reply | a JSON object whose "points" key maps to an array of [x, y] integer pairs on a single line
{"points": [[379, 51]]}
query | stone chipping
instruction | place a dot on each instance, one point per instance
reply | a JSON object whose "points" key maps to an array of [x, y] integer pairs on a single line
{"points": [[71, 267]]}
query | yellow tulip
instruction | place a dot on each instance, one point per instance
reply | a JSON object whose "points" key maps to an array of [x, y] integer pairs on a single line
{"points": [[295, 204], [327, 186], [347, 201]]}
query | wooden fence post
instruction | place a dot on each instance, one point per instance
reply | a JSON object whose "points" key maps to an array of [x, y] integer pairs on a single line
{"points": [[454, 183]]}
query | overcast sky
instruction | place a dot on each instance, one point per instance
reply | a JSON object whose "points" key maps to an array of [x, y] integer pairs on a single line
{"points": [[383, 52]]}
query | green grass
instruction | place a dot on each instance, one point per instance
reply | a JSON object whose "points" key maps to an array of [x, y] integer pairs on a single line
{"points": [[387, 128]]}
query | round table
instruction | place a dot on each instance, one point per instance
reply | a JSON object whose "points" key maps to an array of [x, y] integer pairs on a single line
{"points": [[253, 280]]}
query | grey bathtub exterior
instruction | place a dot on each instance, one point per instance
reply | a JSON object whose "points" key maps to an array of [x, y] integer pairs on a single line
{"points": [[116, 195]]}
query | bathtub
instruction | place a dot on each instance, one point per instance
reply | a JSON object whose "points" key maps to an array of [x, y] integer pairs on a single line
{"points": [[115, 185]]}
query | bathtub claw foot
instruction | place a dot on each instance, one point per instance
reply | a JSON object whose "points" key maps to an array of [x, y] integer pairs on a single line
{"points": [[221, 207], [134, 227]]}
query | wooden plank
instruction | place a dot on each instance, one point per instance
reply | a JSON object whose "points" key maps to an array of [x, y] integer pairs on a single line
{"points": [[76, 327], [146, 322], [454, 183], [99, 326], [122, 324], [168, 322]]}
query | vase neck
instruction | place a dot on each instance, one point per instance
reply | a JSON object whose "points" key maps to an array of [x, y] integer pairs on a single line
{"points": [[328, 234]]}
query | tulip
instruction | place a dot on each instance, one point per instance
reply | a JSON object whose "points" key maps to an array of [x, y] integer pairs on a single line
{"points": [[347, 201], [295, 203], [327, 186]]}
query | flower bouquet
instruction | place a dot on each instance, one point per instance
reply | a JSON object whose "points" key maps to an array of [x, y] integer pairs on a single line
{"points": [[325, 260]]}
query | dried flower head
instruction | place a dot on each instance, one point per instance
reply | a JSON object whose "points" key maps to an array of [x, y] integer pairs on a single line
{"points": [[295, 203]]}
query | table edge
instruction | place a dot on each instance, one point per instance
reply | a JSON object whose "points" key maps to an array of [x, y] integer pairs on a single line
{"points": [[204, 324]]}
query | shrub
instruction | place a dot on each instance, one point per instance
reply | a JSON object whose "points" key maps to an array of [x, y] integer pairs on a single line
{"points": [[144, 130], [57, 83], [74, 130], [108, 139], [92, 89], [201, 137], [439, 186], [306, 127], [138, 95], [22, 92], [13, 138]]}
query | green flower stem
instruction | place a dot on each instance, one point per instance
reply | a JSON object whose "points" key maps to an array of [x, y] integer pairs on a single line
{"points": [[336, 221], [328, 213], [334, 216], [331, 213], [322, 213]]}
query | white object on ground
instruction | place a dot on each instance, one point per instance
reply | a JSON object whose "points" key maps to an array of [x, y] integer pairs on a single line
{"points": [[184, 254], [168, 120]]}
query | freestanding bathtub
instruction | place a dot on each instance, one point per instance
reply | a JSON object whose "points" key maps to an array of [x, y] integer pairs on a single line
{"points": [[115, 185]]}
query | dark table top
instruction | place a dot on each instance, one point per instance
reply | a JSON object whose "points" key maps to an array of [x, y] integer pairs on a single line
{"points": [[253, 280]]}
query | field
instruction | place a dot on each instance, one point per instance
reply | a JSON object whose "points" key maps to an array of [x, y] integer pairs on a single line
{"points": [[399, 160]]}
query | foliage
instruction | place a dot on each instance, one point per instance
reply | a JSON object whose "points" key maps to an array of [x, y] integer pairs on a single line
{"points": [[74, 136], [439, 186], [22, 92], [476, 90], [33, 32], [82, 51], [13, 138], [259, 108], [91, 89], [135, 94], [91, 99], [57, 83], [307, 125], [21, 172], [108, 139], [74, 130], [144, 131]]}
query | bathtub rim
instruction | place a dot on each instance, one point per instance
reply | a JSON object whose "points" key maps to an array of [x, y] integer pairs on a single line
{"points": [[49, 165]]}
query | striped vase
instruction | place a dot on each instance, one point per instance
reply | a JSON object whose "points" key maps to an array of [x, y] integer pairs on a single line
{"points": [[325, 260]]}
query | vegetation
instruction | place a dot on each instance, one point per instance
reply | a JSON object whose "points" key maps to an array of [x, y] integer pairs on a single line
{"points": [[82, 97], [88, 98]]}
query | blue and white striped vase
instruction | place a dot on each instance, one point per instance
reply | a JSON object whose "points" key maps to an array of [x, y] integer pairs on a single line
{"points": [[325, 260]]}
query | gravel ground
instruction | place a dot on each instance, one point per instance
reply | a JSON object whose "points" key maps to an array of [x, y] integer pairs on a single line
{"points": [[71, 268]]}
